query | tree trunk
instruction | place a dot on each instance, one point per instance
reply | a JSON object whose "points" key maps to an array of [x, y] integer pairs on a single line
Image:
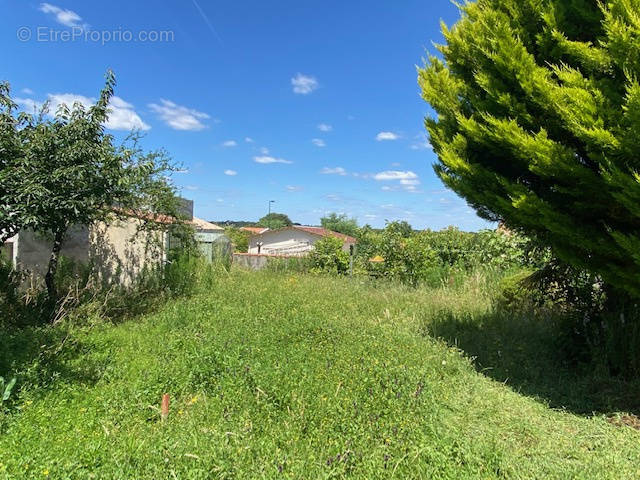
{"points": [[49, 279]]}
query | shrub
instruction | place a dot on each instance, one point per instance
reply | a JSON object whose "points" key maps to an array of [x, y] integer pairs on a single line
{"points": [[239, 239], [453, 247], [329, 257], [513, 294], [406, 256]]}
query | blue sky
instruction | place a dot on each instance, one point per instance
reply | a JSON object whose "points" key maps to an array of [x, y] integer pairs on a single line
{"points": [[313, 105]]}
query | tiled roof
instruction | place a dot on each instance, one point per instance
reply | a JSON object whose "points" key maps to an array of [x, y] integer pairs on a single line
{"points": [[323, 232], [255, 230], [201, 224]]}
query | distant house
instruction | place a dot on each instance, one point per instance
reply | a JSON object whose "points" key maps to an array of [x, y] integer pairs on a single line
{"points": [[294, 240]]}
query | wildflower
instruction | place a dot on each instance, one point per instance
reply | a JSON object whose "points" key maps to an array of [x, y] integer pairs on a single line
{"points": [[45, 472]]}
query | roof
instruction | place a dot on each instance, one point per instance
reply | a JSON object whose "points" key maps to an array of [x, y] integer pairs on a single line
{"points": [[201, 224], [145, 215], [319, 231], [323, 232], [254, 230]]}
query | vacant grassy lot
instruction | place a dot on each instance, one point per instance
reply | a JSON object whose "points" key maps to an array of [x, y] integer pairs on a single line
{"points": [[280, 376]]}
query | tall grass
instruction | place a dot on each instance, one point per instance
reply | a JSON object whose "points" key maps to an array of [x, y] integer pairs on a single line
{"points": [[286, 375], [84, 295]]}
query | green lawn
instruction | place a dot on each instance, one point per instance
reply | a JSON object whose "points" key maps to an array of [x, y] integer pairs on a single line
{"points": [[281, 376]]}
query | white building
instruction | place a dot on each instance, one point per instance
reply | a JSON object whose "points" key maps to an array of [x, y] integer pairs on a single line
{"points": [[294, 240]]}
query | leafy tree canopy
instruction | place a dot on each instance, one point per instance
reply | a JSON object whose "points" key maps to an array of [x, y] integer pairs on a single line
{"points": [[538, 116], [275, 221], [340, 223]]}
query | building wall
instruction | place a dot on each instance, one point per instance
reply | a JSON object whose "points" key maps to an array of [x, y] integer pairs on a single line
{"points": [[119, 252], [283, 242], [250, 261], [32, 250]]}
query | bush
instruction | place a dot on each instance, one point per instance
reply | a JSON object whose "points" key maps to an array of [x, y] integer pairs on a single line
{"points": [[329, 257], [404, 256], [239, 239], [513, 294]]}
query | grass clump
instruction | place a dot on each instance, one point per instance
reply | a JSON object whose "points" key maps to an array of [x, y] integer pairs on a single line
{"points": [[302, 376]]}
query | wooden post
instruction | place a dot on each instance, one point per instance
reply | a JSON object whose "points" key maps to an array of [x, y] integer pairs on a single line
{"points": [[164, 412], [351, 252]]}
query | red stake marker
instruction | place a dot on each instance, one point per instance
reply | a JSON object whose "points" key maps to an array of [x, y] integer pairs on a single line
{"points": [[165, 407]]}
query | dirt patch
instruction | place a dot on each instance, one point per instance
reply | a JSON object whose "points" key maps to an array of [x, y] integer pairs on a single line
{"points": [[626, 421]]}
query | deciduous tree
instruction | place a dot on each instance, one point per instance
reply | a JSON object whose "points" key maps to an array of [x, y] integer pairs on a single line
{"points": [[275, 221], [73, 174], [340, 223]]}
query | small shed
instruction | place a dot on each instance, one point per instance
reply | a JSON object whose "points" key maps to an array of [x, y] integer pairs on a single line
{"points": [[209, 236]]}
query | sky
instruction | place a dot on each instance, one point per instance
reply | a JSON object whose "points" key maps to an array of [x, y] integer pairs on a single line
{"points": [[314, 105]]}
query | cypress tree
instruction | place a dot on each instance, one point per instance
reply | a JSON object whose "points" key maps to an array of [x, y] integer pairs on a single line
{"points": [[538, 124]]}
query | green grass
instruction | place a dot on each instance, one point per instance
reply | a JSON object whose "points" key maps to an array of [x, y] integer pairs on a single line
{"points": [[280, 376]]}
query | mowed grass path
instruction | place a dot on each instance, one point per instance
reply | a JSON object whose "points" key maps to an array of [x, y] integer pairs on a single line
{"points": [[280, 376]]}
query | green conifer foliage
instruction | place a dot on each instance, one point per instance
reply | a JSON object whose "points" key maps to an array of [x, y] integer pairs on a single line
{"points": [[538, 124]]}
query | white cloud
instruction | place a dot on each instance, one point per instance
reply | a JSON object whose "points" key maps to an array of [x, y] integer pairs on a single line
{"points": [[122, 115], [68, 18], [248, 139], [29, 104], [304, 84], [231, 173], [361, 175], [267, 159], [191, 188], [264, 151], [230, 143], [333, 171], [294, 188], [324, 127], [382, 136], [395, 175], [179, 117], [407, 180], [318, 142], [27, 91]]}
